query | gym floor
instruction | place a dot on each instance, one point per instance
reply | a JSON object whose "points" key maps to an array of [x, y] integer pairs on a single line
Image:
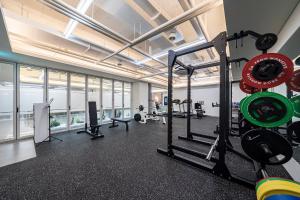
{"points": [[122, 165]]}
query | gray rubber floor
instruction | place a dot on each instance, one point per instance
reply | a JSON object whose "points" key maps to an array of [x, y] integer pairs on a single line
{"points": [[122, 165]]}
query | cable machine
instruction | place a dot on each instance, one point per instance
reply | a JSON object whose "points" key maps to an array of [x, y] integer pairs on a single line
{"points": [[221, 142]]}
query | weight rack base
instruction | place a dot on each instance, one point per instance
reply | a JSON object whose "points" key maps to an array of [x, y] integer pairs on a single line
{"points": [[234, 178], [204, 136], [195, 140]]}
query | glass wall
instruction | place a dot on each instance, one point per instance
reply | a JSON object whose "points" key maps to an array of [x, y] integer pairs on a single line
{"points": [[31, 91], [58, 92], [23, 85], [7, 94], [118, 99], [127, 100], [77, 103], [94, 90], [106, 100]]}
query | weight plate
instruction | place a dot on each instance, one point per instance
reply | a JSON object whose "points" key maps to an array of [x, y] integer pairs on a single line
{"points": [[266, 41], [266, 147], [297, 61], [294, 82], [267, 109], [137, 117], [267, 70], [247, 88], [242, 101], [267, 181], [294, 131], [296, 104]]}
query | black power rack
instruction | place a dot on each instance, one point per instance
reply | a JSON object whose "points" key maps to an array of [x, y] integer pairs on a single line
{"points": [[221, 143]]}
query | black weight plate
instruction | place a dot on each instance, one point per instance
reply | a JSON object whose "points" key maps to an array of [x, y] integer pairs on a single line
{"points": [[266, 147], [137, 117], [266, 41], [297, 61], [294, 131], [267, 70]]}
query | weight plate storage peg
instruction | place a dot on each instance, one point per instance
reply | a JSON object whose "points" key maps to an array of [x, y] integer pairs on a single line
{"points": [[265, 41], [296, 104], [266, 147], [267, 70], [294, 82], [267, 109], [247, 88]]}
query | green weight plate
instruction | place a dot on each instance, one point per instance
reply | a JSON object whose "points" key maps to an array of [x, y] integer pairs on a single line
{"points": [[242, 101], [267, 109], [296, 103]]}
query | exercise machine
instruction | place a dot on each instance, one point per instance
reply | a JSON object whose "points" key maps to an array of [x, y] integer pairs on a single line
{"points": [[94, 129], [199, 110], [142, 117]]}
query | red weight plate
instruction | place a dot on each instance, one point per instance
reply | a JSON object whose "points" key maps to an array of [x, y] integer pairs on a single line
{"points": [[294, 82], [247, 88], [286, 74]]}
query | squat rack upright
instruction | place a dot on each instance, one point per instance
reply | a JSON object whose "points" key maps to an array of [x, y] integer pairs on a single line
{"points": [[221, 143]]}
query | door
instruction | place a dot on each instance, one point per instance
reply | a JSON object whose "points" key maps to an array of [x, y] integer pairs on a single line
{"points": [[8, 101], [31, 82], [77, 101]]}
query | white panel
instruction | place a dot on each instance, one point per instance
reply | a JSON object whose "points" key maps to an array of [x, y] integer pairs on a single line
{"points": [[41, 122]]}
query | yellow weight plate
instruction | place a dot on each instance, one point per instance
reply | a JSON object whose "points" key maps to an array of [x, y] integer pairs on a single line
{"points": [[277, 187]]}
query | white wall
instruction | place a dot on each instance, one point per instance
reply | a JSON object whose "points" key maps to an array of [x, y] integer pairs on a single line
{"points": [[208, 94], [139, 95]]}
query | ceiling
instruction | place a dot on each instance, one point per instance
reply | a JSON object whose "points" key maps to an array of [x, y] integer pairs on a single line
{"points": [[128, 38]]}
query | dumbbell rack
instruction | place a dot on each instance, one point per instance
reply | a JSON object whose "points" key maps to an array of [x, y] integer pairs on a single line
{"points": [[221, 143]]}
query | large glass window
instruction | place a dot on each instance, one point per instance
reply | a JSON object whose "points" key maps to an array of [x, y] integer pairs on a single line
{"points": [[118, 99], [127, 100], [94, 93], [77, 96], [106, 100], [31, 91], [58, 92], [7, 101]]}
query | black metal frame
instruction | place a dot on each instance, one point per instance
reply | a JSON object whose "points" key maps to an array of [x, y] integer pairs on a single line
{"points": [[222, 143]]}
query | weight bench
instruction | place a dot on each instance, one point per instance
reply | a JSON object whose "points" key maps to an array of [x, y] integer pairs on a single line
{"points": [[123, 120]]}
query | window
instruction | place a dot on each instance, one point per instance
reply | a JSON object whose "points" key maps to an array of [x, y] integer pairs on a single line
{"points": [[31, 91], [106, 100], [127, 100], [94, 89], [118, 99], [58, 92], [7, 101], [78, 102]]}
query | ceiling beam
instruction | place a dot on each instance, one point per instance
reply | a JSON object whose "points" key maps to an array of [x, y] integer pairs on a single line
{"points": [[200, 9], [186, 5], [69, 11], [145, 15]]}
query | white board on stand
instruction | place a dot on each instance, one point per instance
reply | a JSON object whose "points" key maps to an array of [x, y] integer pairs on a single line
{"points": [[41, 122]]}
